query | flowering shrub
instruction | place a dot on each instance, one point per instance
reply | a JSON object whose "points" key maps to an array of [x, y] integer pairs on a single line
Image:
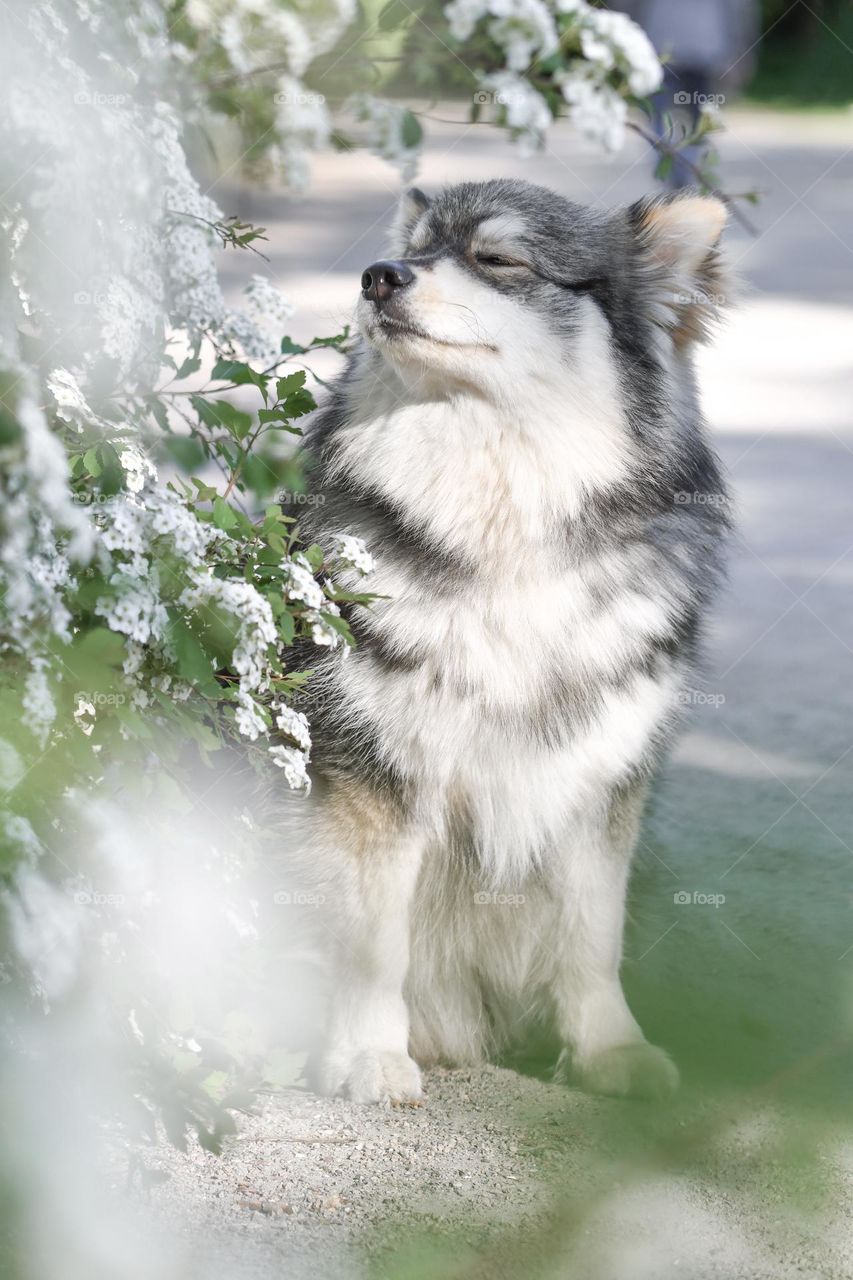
{"points": [[296, 81]]}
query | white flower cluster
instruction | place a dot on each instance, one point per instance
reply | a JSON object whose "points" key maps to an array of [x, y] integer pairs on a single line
{"points": [[258, 329], [304, 588], [141, 529], [137, 468], [353, 551], [385, 123], [525, 29], [615, 57], [526, 110], [256, 34], [614, 42], [293, 760], [303, 126], [253, 625]]}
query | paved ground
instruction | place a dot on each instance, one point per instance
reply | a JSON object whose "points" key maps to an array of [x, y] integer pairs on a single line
{"points": [[751, 994]]}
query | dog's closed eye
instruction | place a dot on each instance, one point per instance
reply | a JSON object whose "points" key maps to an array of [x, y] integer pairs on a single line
{"points": [[495, 260]]}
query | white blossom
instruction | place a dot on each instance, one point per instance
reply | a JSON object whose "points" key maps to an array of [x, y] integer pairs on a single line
{"points": [[322, 631], [353, 551], [613, 39], [248, 718], [137, 468], [301, 584], [526, 109], [295, 766], [295, 725], [525, 29], [596, 110], [71, 404]]}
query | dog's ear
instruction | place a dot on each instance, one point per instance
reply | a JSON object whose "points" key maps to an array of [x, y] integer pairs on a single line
{"points": [[413, 204], [677, 239]]}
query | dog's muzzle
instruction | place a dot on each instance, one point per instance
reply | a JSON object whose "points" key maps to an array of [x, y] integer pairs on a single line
{"points": [[383, 279]]}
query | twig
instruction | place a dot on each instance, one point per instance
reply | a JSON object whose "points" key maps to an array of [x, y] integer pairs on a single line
{"points": [[665, 149]]}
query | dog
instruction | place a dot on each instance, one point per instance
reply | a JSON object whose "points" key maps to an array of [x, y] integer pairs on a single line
{"points": [[517, 440]]}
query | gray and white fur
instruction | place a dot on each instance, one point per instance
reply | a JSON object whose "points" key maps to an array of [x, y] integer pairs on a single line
{"points": [[518, 441]]}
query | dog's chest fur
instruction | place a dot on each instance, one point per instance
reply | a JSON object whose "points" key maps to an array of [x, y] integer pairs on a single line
{"points": [[515, 673]]}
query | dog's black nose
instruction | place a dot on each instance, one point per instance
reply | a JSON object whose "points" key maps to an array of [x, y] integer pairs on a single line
{"points": [[380, 280]]}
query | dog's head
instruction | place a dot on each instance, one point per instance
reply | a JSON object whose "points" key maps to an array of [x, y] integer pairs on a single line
{"points": [[497, 276]]}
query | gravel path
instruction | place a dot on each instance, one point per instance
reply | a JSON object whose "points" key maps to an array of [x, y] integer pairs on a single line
{"points": [[315, 1188]]}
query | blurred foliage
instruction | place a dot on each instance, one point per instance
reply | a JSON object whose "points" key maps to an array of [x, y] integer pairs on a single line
{"points": [[804, 58]]}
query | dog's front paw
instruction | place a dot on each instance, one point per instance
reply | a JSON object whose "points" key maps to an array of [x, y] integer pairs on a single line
{"points": [[367, 1075], [638, 1070]]}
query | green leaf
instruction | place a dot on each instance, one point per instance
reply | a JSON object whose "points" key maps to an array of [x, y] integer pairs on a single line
{"points": [[411, 132], [223, 516], [188, 453], [261, 475], [298, 403], [240, 373], [91, 463], [112, 472], [337, 340], [10, 428], [290, 348], [287, 627], [664, 166], [206, 492], [237, 422], [192, 660], [219, 413], [314, 555], [341, 626], [159, 413], [191, 365], [290, 383]]}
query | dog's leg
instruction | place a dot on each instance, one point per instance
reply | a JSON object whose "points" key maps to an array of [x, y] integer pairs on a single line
{"points": [[605, 1048], [365, 1053]]}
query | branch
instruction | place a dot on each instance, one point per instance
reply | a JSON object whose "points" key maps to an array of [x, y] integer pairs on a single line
{"points": [[665, 149]]}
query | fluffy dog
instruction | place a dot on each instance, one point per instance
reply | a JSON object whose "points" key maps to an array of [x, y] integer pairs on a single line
{"points": [[518, 441]]}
